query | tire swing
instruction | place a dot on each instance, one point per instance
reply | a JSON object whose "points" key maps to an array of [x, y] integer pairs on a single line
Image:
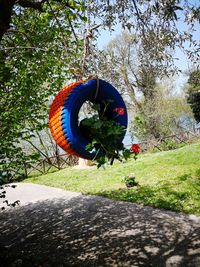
{"points": [[64, 111]]}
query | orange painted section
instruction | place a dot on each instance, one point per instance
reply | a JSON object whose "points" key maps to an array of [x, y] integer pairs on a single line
{"points": [[55, 123]]}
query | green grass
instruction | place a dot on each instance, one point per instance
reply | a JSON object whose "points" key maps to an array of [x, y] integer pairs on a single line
{"points": [[168, 180]]}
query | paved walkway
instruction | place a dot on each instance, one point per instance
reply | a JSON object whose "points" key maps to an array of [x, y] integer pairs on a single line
{"points": [[53, 227]]}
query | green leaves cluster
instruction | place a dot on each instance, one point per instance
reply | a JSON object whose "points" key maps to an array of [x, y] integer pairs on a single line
{"points": [[35, 58], [105, 136], [194, 93]]}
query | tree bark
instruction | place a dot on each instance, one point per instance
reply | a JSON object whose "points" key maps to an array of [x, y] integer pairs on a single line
{"points": [[6, 7]]}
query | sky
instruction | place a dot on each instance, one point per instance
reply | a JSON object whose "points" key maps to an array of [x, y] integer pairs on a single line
{"points": [[182, 63]]}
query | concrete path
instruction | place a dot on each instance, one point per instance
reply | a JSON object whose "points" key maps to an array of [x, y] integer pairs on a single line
{"points": [[53, 227], [32, 193]]}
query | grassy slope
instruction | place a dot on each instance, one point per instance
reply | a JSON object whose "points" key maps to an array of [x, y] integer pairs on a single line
{"points": [[169, 180]]}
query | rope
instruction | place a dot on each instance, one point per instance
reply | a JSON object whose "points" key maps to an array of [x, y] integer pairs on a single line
{"points": [[97, 88], [88, 36], [93, 77]]}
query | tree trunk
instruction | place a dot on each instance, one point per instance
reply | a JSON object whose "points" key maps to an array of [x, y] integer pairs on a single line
{"points": [[6, 7]]}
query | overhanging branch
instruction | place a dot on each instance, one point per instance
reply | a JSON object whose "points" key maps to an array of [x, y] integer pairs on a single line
{"points": [[31, 4], [6, 7], [23, 47]]}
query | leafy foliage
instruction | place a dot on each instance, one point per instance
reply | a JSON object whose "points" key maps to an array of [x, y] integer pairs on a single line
{"points": [[194, 93], [154, 109], [42, 45], [34, 62], [156, 24], [105, 136], [162, 116]]}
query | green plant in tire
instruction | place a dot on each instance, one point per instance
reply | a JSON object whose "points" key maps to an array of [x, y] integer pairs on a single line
{"points": [[105, 136]]}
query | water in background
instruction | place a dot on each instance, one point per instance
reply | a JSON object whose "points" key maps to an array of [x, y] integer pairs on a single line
{"points": [[129, 140]]}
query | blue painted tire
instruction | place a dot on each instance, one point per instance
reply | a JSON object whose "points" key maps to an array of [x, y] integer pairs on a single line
{"points": [[73, 103]]}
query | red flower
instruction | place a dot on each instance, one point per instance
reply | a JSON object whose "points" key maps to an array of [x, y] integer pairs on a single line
{"points": [[120, 111], [135, 148]]}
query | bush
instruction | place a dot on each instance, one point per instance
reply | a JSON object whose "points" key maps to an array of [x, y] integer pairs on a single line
{"points": [[170, 145]]}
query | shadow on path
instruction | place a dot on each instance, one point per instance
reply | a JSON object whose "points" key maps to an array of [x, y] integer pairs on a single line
{"points": [[94, 231]]}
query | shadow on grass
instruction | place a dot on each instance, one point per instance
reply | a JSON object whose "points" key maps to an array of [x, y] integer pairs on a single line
{"points": [[164, 195], [94, 231], [162, 198]]}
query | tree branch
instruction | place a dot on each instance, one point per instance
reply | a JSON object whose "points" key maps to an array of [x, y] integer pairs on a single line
{"points": [[64, 41], [31, 4], [6, 7], [23, 47], [5, 15]]}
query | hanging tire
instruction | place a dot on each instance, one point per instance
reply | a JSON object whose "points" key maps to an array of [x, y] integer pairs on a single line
{"points": [[64, 111]]}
